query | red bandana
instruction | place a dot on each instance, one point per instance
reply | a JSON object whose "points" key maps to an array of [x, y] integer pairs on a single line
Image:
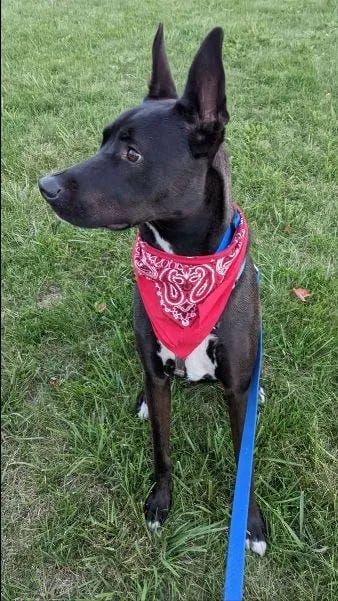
{"points": [[184, 297]]}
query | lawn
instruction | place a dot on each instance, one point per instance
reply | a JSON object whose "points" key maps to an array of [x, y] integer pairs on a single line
{"points": [[76, 461]]}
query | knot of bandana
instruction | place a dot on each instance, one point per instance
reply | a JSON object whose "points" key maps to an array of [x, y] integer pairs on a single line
{"points": [[184, 295]]}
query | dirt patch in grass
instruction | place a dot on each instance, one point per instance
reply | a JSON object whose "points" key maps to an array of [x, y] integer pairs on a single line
{"points": [[24, 518], [49, 297], [22, 510], [58, 584]]}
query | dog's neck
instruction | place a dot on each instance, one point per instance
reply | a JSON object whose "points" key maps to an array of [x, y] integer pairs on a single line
{"points": [[201, 232]]}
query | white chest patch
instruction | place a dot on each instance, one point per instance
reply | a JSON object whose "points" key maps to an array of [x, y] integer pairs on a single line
{"points": [[165, 353], [163, 244], [198, 364]]}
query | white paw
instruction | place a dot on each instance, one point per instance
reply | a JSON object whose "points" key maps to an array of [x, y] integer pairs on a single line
{"points": [[143, 411], [257, 546], [261, 396], [153, 525]]}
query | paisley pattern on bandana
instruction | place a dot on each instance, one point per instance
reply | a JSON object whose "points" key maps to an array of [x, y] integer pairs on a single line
{"points": [[181, 286], [185, 294]]}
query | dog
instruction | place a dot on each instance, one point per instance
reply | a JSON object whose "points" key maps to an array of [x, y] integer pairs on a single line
{"points": [[163, 169]]}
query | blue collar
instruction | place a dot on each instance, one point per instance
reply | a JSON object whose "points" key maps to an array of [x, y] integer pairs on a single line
{"points": [[228, 235], [229, 232]]}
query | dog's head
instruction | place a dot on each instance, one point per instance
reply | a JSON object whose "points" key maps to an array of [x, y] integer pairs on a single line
{"points": [[153, 159]]}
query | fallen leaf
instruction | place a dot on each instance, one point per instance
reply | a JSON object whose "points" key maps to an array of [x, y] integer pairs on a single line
{"points": [[54, 382], [301, 293], [100, 307]]}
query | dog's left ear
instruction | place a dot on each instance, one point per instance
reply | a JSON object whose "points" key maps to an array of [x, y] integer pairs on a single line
{"points": [[161, 84], [203, 103]]}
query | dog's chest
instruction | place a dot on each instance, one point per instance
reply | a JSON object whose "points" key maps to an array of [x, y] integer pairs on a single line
{"points": [[199, 365]]}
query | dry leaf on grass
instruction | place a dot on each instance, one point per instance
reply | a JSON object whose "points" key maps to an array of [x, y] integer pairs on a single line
{"points": [[54, 382], [100, 307], [301, 293]]}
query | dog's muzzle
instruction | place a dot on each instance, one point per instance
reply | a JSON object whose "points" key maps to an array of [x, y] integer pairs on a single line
{"points": [[50, 188]]}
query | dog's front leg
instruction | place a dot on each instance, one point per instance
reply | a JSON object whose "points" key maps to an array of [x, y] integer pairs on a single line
{"points": [[155, 402], [157, 393]]}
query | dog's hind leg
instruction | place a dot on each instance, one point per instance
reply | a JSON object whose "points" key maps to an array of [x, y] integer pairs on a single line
{"points": [[238, 333], [256, 531], [157, 505]]}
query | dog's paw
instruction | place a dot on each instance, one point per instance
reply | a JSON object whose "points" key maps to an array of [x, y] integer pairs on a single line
{"points": [[141, 407], [157, 506], [257, 546], [256, 535]]}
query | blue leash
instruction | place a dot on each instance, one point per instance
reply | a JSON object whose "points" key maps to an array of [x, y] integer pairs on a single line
{"points": [[234, 576]]}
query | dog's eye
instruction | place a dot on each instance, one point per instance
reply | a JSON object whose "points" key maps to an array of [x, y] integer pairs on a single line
{"points": [[132, 155]]}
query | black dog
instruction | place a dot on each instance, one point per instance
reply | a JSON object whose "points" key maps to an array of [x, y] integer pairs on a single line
{"points": [[162, 167]]}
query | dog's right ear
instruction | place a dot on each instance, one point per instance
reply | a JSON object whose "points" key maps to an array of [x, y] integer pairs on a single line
{"points": [[161, 85]]}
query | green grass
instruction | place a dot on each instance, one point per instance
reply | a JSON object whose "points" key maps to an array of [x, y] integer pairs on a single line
{"points": [[76, 462]]}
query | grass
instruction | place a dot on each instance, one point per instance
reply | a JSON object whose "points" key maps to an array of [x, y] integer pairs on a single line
{"points": [[76, 461]]}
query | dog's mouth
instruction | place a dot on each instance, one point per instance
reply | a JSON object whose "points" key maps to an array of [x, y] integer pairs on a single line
{"points": [[118, 226]]}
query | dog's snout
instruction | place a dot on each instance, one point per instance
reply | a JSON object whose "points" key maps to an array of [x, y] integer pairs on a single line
{"points": [[50, 187]]}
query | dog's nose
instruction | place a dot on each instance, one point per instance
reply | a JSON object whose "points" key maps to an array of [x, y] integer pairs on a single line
{"points": [[50, 187]]}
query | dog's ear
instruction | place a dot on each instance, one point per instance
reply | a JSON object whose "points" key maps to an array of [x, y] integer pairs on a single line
{"points": [[161, 85], [203, 103]]}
